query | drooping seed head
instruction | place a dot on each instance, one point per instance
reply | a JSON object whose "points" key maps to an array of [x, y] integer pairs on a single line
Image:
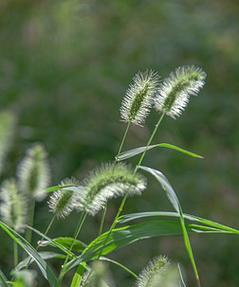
{"points": [[34, 174], [174, 92], [159, 273], [12, 205], [109, 181], [62, 202], [138, 100]]}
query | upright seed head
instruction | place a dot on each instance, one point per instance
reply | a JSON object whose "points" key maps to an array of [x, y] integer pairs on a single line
{"points": [[34, 174], [12, 205], [174, 92], [63, 201], [138, 100], [109, 181], [159, 273]]}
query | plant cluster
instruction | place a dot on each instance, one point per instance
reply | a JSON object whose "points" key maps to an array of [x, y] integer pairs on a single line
{"points": [[91, 195]]}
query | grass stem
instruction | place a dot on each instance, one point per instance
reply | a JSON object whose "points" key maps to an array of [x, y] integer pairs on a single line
{"points": [[123, 139], [121, 207], [31, 221], [15, 253], [77, 232], [119, 151], [102, 220]]}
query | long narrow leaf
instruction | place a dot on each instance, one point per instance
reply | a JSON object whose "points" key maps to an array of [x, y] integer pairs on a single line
{"points": [[52, 242], [150, 225], [171, 194], [66, 242], [43, 266], [77, 278], [46, 255], [201, 223], [165, 185], [133, 152]]}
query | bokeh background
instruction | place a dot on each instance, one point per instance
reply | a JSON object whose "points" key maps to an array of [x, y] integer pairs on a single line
{"points": [[64, 68]]}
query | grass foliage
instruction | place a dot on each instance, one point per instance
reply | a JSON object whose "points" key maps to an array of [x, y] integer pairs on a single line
{"points": [[87, 264]]}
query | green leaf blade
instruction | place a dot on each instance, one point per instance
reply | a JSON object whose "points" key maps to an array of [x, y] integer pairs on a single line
{"points": [[171, 194], [151, 224], [23, 243], [136, 151]]}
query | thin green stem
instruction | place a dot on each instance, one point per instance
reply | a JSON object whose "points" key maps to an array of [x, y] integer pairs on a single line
{"points": [[31, 221], [15, 253], [115, 160], [105, 209], [48, 228], [125, 268], [50, 225], [102, 220], [77, 232], [45, 233], [121, 207], [149, 142], [123, 139]]}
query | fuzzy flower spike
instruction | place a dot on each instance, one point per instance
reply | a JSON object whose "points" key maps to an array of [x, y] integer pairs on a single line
{"points": [[159, 273], [34, 174], [109, 181], [138, 100], [174, 92], [62, 201], [12, 206]]}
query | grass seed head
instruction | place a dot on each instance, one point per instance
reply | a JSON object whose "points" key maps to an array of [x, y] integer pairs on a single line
{"points": [[109, 181], [174, 92], [12, 205], [63, 201], [159, 273], [34, 173], [138, 100]]}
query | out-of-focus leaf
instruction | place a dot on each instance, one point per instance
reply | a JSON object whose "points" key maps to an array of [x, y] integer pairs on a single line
{"points": [[3, 280], [46, 255], [43, 266], [25, 278]]}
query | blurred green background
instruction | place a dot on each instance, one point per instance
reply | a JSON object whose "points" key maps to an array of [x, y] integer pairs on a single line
{"points": [[64, 68]]}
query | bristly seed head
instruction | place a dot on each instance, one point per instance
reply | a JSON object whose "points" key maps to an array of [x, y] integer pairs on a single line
{"points": [[109, 181], [34, 174], [62, 202], [12, 205], [174, 92], [159, 273], [138, 100]]}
